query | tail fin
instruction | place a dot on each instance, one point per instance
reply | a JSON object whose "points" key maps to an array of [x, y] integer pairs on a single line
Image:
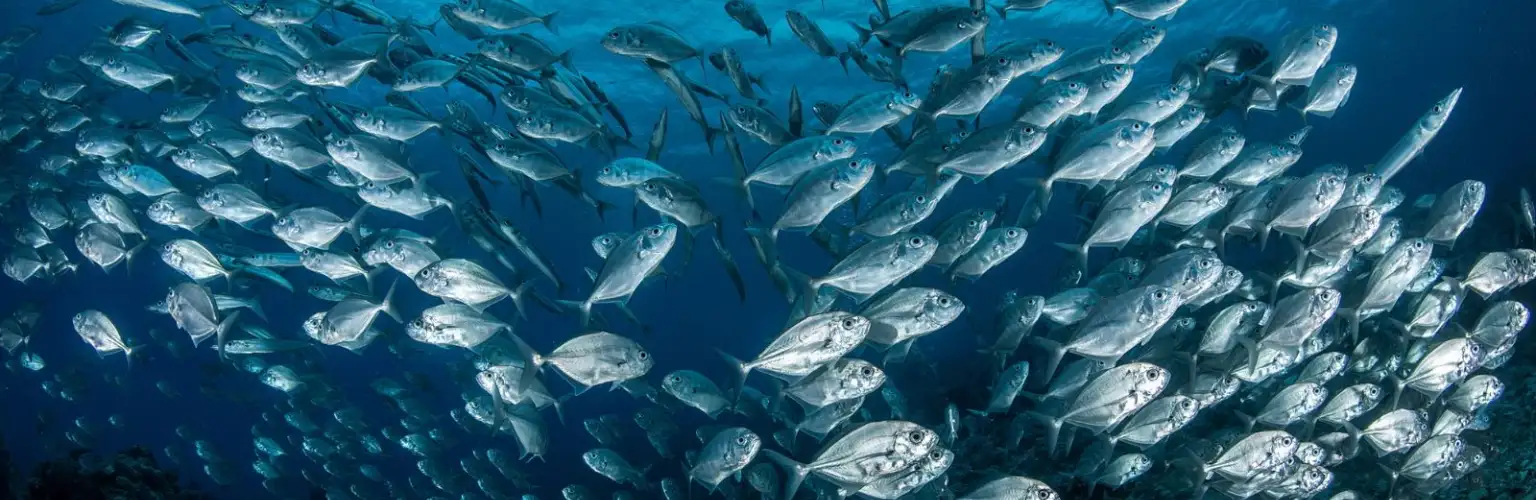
{"points": [[583, 307], [222, 332], [1053, 431], [355, 223], [864, 33], [795, 472], [742, 370], [532, 362], [518, 294], [1055, 350], [548, 20], [388, 304], [1081, 251]]}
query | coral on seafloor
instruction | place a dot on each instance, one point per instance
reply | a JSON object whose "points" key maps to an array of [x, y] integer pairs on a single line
{"points": [[131, 474]]}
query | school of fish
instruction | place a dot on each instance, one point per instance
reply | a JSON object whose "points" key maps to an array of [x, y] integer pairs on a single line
{"points": [[1305, 316]]}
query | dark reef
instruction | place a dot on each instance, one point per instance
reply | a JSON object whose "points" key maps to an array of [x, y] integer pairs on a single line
{"points": [[131, 474]]}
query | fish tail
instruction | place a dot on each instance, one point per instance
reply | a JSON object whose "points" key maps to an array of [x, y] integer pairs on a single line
{"points": [[1055, 350], [129, 255], [518, 294], [548, 20], [532, 361], [1352, 319], [222, 332], [388, 304], [1052, 430], [1109, 7], [742, 370], [864, 33], [732, 270], [583, 308], [1246, 419], [355, 223], [255, 307], [1397, 392], [795, 472], [1002, 11], [1252, 347], [1081, 251]]}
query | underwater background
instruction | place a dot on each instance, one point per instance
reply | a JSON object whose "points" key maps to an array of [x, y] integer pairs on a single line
{"points": [[1409, 53]]}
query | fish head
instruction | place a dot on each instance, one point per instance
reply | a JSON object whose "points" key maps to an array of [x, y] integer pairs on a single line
{"points": [[1345, 74], [1436, 117], [904, 100], [624, 40], [913, 440], [845, 330], [854, 173], [375, 191], [537, 125], [1131, 134], [861, 377], [742, 446], [1024, 136], [739, 8], [311, 73], [492, 45], [603, 244], [837, 147], [1013, 237], [1472, 194], [1147, 380], [1323, 36]]}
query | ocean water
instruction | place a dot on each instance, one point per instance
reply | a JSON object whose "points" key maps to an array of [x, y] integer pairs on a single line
{"points": [[1410, 54]]}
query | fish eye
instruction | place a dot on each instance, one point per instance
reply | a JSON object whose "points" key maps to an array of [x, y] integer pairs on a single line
{"points": [[973, 223], [1002, 60], [917, 242], [921, 199], [936, 455], [742, 440], [1153, 374], [867, 371], [655, 231], [1160, 295], [848, 323], [944, 301], [915, 436], [837, 142], [1439, 108], [643, 355], [854, 163], [613, 35]]}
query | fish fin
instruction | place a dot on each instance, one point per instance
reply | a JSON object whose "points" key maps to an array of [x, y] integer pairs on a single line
{"points": [[355, 223], [864, 34], [584, 308], [1056, 351], [548, 20], [518, 294], [388, 303], [795, 472], [222, 331]]}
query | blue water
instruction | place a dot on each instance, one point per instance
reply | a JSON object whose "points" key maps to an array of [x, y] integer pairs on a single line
{"points": [[1410, 54]]}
